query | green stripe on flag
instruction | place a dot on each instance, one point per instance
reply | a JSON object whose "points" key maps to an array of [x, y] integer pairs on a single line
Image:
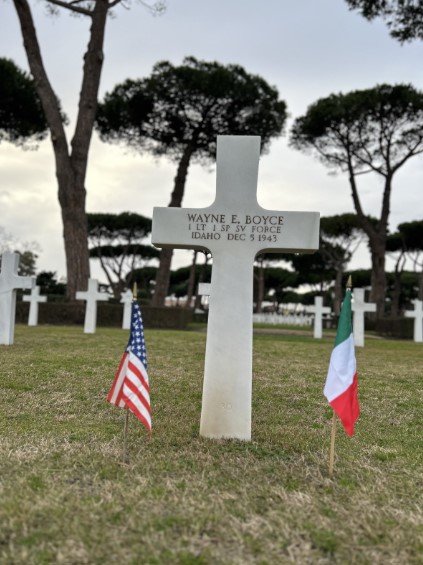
{"points": [[345, 324]]}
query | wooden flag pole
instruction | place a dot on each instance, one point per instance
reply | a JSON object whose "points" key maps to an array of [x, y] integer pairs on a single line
{"points": [[125, 458], [332, 445]]}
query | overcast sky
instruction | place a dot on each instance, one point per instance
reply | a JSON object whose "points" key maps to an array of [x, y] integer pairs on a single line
{"points": [[308, 49]]}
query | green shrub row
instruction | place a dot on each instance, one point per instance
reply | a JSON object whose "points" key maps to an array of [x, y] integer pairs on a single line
{"points": [[108, 315], [398, 328]]}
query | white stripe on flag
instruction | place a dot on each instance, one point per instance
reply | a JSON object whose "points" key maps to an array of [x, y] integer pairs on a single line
{"points": [[342, 368], [118, 384], [137, 384], [136, 389], [137, 403], [134, 360]]}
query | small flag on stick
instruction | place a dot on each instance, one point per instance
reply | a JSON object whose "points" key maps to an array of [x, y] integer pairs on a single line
{"points": [[341, 383], [130, 388]]}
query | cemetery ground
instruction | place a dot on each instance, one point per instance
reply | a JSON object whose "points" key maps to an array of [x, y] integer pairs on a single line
{"points": [[66, 497]]}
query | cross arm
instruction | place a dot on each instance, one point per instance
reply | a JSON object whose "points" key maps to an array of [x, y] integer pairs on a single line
{"points": [[23, 282], [256, 230]]}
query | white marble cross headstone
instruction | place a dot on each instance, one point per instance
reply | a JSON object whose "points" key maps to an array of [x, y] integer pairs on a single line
{"points": [[9, 282], [34, 298], [359, 307], [234, 229], [92, 296], [126, 299], [318, 310], [417, 314]]}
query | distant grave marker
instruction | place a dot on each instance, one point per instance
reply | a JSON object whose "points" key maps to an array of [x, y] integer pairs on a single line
{"points": [[91, 296], [417, 314], [9, 282], [204, 289], [318, 310], [234, 229], [359, 307], [126, 300], [34, 299]]}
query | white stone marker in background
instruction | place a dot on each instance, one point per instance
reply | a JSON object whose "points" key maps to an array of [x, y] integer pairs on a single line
{"points": [[126, 299], [204, 289], [9, 282], [92, 296], [34, 298], [359, 307], [417, 314], [318, 310], [234, 229]]}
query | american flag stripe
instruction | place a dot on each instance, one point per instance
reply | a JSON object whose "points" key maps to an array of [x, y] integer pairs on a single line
{"points": [[130, 394], [137, 368], [115, 394], [136, 391], [139, 411], [131, 389], [136, 382]]}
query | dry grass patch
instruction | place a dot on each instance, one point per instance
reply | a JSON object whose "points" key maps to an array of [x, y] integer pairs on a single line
{"points": [[66, 498]]}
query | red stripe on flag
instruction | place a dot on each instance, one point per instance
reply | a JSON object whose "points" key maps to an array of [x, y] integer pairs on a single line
{"points": [[134, 409], [137, 372], [137, 392], [347, 407]]}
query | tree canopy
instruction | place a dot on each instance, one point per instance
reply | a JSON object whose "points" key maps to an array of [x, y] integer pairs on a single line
{"points": [[183, 108], [375, 131], [118, 242], [404, 17], [21, 114]]}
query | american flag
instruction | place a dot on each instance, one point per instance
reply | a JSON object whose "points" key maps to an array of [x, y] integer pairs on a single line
{"points": [[130, 387]]}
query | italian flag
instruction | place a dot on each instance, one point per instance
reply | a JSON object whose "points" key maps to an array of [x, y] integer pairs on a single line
{"points": [[341, 382]]}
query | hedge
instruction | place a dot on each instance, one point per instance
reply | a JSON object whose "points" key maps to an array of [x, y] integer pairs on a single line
{"points": [[108, 315], [398, 328]]}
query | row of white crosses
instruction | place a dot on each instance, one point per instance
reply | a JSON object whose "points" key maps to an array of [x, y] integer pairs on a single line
{"points": [[92, 296], [10, 282], [358, 306]]}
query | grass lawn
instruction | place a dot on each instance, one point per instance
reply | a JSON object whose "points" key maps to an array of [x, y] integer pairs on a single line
{"points": [[65, 497]]}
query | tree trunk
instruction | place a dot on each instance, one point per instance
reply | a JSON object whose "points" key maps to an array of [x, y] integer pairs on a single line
{"points": [[260, 288], [75, 236], [337, 299], [396, 295], [162, 277], [163, 272], [378, 277], [191, 281], [71, 166], [377, 239]]}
